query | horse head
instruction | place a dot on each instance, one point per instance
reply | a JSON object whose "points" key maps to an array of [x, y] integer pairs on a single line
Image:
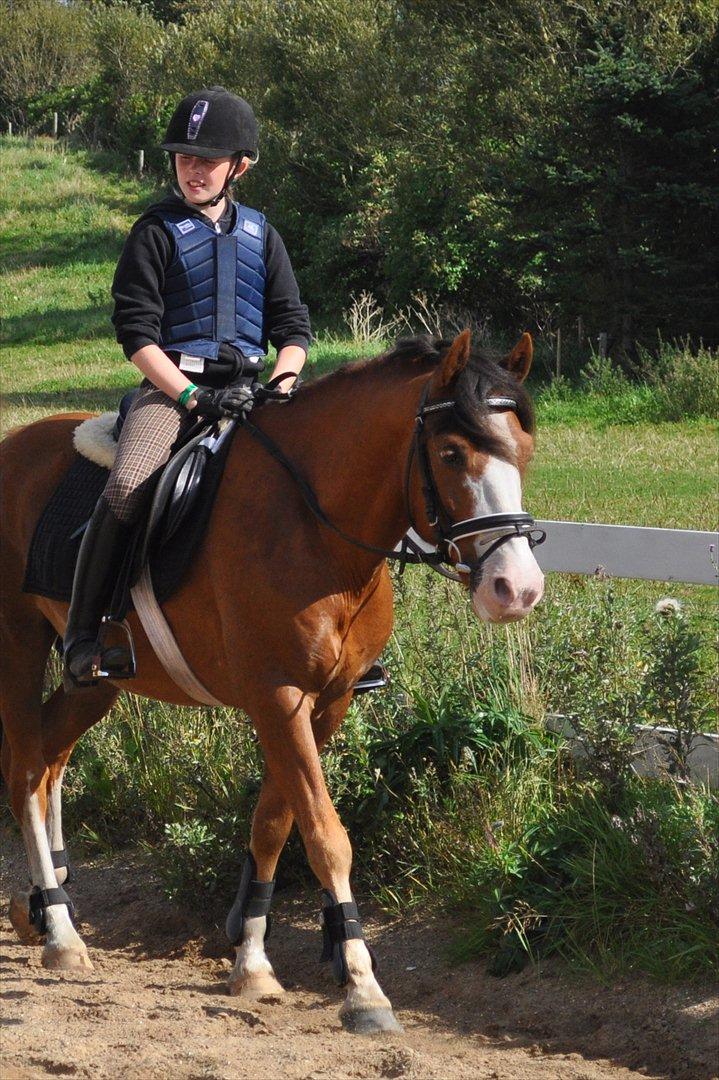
{"points": [[475, 443]]}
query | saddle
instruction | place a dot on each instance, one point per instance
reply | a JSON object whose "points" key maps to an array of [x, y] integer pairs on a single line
{"points": [[184, 495]]}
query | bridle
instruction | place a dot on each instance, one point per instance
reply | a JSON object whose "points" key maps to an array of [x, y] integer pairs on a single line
{"points": [[498, 528]]}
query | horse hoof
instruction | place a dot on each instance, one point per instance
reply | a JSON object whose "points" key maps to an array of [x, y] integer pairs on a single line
{"points": [[253, 987], [19, 915], [69, 959], [371, 1021]]}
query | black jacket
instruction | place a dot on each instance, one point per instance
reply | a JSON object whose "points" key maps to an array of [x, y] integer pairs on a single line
{"points": [[140, 275]]}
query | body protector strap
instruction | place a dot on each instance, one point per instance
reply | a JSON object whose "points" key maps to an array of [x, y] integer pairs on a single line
{"points": [[214, 288], [252, 901], [340, 923], [40, 899]]}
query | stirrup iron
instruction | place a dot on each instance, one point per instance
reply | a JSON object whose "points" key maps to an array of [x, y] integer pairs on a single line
{"points": [[123, 627]]}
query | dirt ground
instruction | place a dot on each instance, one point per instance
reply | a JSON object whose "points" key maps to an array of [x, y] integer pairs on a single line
{"points": [[156, 1005]]}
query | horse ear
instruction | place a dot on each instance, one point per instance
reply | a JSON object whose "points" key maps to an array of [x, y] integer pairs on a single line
{"points": [[519, 360], [455, 360]]}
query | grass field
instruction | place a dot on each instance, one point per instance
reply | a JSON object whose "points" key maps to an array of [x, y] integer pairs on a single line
{"points": [[456, 748]]}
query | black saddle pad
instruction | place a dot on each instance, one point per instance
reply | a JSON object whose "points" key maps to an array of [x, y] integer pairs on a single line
{"points": [[55, 544]]}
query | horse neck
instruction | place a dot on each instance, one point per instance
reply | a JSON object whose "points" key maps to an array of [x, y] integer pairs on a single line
{"points": [[349, 436]]}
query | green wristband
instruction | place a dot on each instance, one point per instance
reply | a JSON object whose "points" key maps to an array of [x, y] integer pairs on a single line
{"points": [[186, 394]]}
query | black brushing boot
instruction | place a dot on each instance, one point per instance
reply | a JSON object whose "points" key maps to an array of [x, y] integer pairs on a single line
{"points": [[101, 550]]}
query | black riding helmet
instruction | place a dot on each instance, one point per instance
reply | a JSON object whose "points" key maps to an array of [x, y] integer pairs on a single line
{"points": [[213, 123]]}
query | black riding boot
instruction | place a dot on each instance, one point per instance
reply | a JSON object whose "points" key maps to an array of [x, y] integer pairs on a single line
{"points": [[375, 678], [98, 562]]}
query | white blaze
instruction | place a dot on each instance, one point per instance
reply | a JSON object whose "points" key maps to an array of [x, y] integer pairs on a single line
{"points": [[499, 491]]}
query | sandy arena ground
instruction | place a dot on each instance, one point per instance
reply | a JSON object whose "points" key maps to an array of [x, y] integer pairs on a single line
{"points": [[156, 1005]]}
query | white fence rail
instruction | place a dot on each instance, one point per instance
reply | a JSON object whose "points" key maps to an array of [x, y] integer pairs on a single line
{"points": [[630, 551]]}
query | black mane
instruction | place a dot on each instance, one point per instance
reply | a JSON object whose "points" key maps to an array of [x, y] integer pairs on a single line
{"points": [[483, 377]]}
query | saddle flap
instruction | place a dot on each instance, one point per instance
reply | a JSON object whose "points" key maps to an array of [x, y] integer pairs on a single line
{"points": [[179, 485]]}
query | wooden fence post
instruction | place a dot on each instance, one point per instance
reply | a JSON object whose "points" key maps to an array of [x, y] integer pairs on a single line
{"points": [[603, 345], [54, 125], [558, 367], [140, 162], [9, 127]]}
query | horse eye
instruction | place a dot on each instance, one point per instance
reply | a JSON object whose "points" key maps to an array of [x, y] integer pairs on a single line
{"points": [[452, 455]]}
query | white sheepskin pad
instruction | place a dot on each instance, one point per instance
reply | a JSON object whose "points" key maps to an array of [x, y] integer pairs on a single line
{"points": [[93, 439]]}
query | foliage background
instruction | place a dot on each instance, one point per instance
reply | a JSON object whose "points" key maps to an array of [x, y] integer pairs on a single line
{"points": [[532, 164]]}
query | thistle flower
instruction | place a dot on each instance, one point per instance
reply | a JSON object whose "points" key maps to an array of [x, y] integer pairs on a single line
{"points": [[668, 606]]}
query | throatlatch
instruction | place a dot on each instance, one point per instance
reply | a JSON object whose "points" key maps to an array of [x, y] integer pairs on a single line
{"points": [[40, 899], [340, 923], [252, 901]]}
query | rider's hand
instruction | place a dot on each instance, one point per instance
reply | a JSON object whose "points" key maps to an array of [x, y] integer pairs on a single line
{"points": [[230, 401]]}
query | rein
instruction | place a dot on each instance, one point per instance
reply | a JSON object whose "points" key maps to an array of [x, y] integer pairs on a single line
{"points": [[508, 526]]}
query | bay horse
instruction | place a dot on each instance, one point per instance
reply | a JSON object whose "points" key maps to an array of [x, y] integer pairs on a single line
{"points": [[280, 614]]}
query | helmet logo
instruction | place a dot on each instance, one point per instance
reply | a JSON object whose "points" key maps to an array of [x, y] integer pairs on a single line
{"points": [[197, 115]]}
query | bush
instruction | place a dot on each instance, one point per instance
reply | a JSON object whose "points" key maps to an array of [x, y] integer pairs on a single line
{"points": [[676, 689], [686, 381], [45, 46], [604, 397], [636, 888]]}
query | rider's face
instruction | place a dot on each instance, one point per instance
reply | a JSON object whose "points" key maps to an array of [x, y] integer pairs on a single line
{"points": [[201, 179]]}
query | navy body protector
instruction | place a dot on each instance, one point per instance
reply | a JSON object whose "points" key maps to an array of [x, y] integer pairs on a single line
{"points": [[214, 290]]}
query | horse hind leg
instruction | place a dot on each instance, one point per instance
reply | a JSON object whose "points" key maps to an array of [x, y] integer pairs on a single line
{"points": [[286, 736], [65, 717], [25, 641]]}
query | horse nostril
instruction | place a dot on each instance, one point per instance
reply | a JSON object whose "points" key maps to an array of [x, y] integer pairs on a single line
{"points": [[503, 590], [531, 596]]}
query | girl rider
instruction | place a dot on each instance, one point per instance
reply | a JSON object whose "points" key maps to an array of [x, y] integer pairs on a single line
{"points": [[201, 286]]}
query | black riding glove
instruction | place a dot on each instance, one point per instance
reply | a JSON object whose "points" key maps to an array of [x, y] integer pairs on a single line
{"points": [[231, 401]]}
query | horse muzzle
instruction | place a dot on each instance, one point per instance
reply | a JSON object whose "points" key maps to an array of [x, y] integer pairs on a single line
{"points": [[509, 586]]}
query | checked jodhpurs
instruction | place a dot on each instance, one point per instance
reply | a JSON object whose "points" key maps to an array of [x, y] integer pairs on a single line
{"points": [[151, 427]]}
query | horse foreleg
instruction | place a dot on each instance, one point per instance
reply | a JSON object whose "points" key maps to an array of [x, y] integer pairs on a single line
{"points": [[285, 732], [252, 975], [248, 920]]}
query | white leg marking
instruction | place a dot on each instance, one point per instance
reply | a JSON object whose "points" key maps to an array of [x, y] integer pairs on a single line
{"points": [[63, 947], [251, 955], [363, 990], [252, 974], [53, 823]]}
